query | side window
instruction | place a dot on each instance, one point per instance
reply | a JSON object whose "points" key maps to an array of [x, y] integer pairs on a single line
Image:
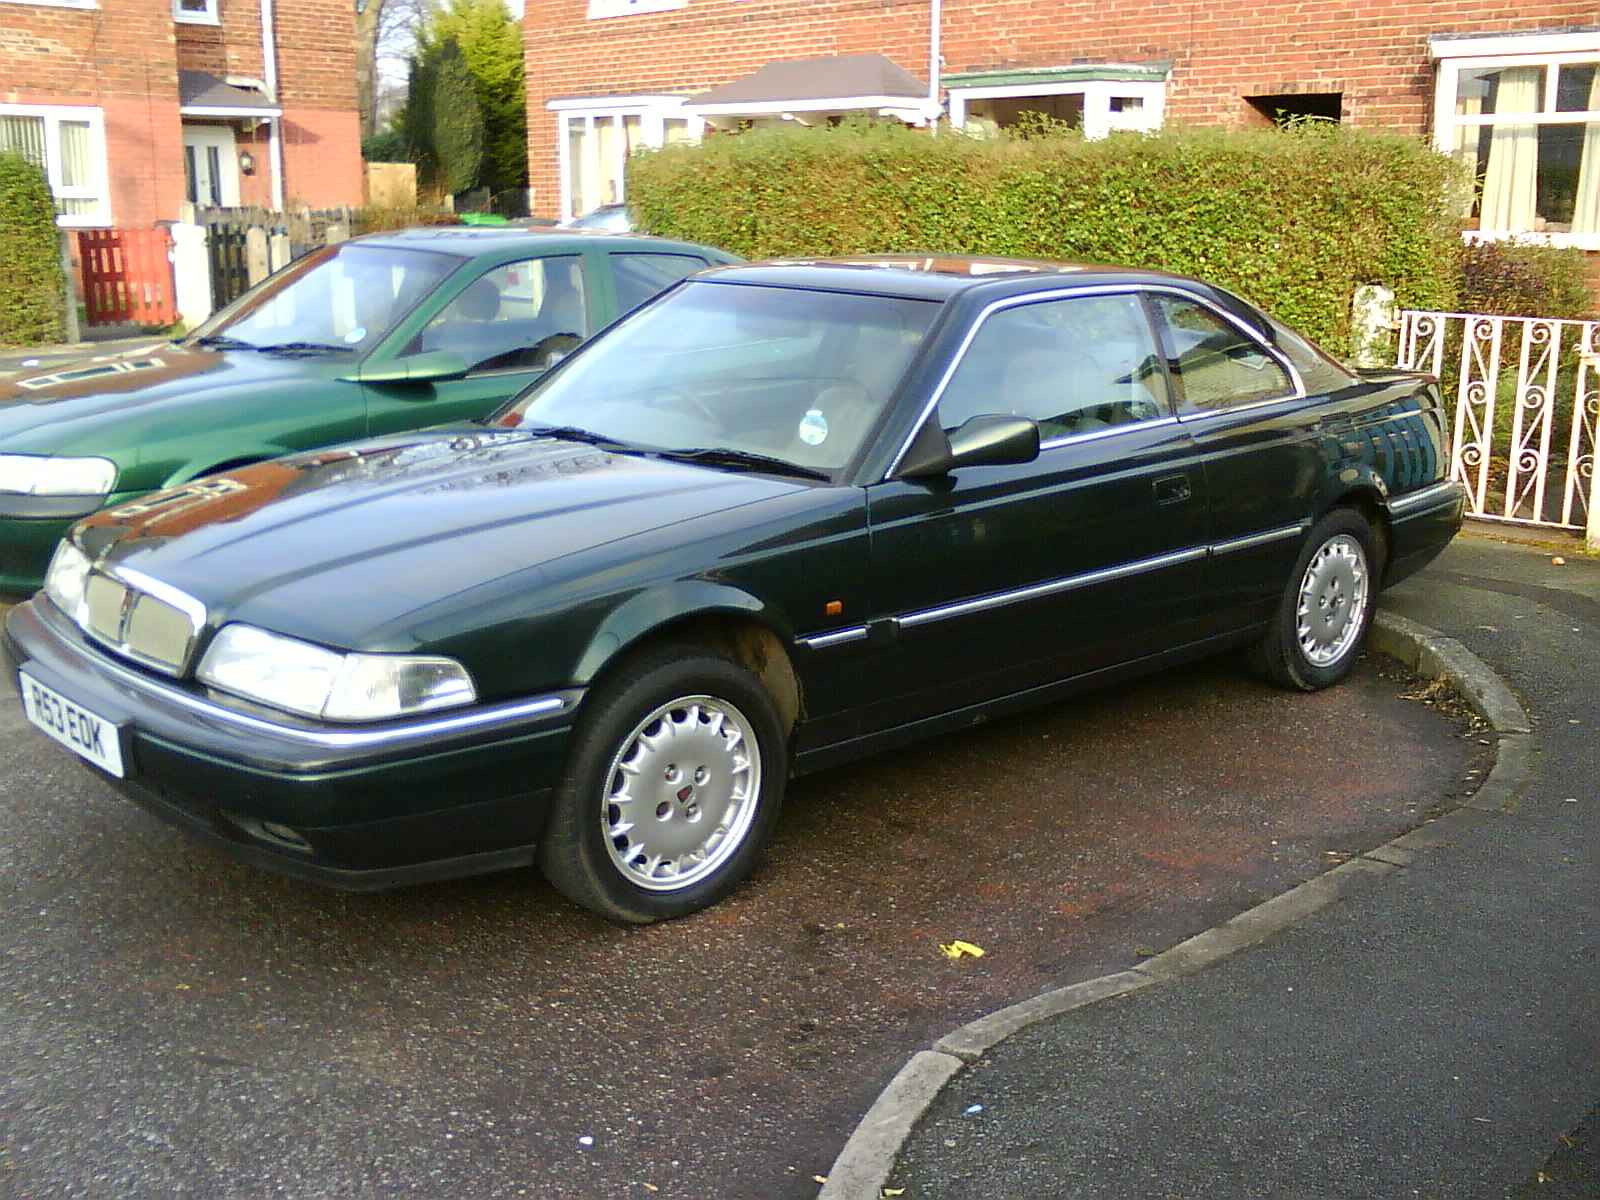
{"points": [[520, 316], [641, 276], [1074, 365], [1214, 364]]}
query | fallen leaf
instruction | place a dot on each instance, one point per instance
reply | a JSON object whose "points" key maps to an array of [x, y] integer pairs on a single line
{"points": [[961, 949]]}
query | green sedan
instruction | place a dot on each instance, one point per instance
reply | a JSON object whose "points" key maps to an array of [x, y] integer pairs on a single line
{"points": [[378, 335], [778, 518]]}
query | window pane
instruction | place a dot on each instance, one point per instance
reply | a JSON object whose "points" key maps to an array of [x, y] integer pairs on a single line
{"points": [[24, 136], [1214, 364], [1075, 366], [1500, 90], [640, 276], [77, 167], [518, 316], [1578, 88]]}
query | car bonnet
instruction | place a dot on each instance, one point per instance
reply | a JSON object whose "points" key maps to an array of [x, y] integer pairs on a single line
{"points": [[344, 546]]}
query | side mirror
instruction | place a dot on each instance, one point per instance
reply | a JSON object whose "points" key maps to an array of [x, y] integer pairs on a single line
{"points": [[426, 367], [987, 440]]}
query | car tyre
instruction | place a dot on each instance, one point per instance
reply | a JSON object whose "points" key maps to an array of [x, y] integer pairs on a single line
{"points": [[1321, 624], [672, 785]]}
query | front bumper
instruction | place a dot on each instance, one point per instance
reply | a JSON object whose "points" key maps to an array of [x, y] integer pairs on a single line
{"points": [[354, 807]]}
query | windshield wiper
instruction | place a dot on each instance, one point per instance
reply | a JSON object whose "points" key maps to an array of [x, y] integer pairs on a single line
{"points": [[304, 348], [221, 341], [721, 456], [572, 433]]}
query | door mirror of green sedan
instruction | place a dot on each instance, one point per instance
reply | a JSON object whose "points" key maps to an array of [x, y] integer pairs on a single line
{"points": [[987, 440], [426, 367]]}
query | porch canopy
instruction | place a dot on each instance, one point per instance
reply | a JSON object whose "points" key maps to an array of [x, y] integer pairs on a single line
{"points": [[811, 90], [203, 95]]}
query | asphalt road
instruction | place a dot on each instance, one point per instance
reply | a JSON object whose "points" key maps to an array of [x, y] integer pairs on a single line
{"points": [[174, 1025], [1431, 1034]]}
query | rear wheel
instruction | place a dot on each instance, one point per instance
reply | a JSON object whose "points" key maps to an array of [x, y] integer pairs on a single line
{"points": [[1321, 623], [673, 784]]}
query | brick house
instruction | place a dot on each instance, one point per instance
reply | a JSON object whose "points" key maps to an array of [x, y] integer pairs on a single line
{"points": [[1513, 88], [134, 106]]}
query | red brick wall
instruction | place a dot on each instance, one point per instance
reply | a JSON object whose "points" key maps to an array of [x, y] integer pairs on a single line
{"points": [[1373, 51], [124, 58]]}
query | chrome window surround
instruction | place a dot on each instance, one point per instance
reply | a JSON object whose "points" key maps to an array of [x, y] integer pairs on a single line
{"points": [[138, 592], [1065, 293]]}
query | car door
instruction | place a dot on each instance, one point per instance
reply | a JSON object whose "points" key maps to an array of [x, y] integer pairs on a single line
{"points": [[509, 323], [1260, 447], [996, 579]]}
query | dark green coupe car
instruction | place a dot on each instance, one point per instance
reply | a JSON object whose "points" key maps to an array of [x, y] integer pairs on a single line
{"points": [[783, 516], [380, 334]]}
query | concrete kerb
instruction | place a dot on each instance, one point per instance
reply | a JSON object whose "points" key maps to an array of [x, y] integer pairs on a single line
{"points": [[868, 1157]]}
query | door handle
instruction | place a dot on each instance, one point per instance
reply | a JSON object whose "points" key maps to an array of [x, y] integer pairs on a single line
{"points": [[1173, 489]]}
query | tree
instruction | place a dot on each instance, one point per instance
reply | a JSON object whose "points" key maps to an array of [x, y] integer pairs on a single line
{"points": [[490, 42], [442, 121], [385, 30]]}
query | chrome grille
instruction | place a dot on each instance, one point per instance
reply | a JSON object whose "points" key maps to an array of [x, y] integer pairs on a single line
{"points": [[142, 619]]}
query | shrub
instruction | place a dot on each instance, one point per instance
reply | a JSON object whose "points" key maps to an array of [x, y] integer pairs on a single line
{"points": [[32, 286], [1295, 219], [1518, 279]]}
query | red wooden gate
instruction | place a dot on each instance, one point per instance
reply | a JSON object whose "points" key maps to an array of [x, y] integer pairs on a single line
{"points": [[127, 276]]}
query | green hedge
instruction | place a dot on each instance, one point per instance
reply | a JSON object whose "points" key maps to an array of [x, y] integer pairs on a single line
{"points": [[32, 287], [1294, 219], [1512, 279]]}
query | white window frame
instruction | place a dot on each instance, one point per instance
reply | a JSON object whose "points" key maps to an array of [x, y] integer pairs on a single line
{"points": [[1098, 119], [1456, 56], [653, 113], [600, 9], [209, 15], [99, 192]]}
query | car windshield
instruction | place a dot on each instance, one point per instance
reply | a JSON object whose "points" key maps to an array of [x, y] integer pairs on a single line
{"points": [[728, 372], [337, 300]]}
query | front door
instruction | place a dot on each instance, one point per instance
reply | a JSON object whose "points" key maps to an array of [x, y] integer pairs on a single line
{"points": [[211, 165]]}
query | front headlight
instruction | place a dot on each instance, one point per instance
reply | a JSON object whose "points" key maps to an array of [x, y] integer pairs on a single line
{"points": [[41, 475], [299, 677], [66, 579]]}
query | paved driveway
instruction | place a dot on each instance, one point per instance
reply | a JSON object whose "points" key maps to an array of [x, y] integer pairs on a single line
{"points": [[174, 1025]]}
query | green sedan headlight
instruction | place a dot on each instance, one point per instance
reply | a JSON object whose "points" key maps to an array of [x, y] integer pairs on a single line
{"points": [[299, 677], [41, 475], [67, 578]]}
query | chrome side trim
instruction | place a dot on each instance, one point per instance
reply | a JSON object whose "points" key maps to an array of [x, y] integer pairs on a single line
{"points": [[1399, 506], [1250, 541], [839, 637], [1001, 599]]}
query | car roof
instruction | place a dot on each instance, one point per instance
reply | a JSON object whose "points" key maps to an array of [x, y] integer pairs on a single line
{"points": [[470, 241], [939, 277]]}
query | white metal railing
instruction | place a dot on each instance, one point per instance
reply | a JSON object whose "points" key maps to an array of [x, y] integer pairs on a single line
{"points": [[1526, 395]]}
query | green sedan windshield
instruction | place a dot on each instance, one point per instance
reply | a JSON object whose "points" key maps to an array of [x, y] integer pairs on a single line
{"points": [[340, 299], [794, 375]]}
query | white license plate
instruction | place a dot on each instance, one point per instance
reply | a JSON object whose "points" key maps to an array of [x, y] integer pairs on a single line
{"points": [[74, 726]]}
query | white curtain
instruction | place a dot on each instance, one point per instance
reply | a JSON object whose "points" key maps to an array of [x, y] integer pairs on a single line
{"points": [[1586, 212], [1510, 180]]}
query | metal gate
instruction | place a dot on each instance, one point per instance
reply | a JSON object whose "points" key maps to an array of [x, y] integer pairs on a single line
{"points": [[1526, 395]]}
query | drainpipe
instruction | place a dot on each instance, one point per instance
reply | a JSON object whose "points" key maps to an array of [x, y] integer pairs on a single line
{"points": [[269, 69], [935, 8]]}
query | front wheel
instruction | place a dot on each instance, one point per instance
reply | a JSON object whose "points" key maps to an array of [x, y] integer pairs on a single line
{"points": [[672, 785], [1321, 623]]}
